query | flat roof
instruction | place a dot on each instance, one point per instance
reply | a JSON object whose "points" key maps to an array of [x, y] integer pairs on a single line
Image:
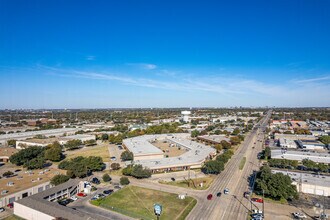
{"points": [[24, 135], [195, 155], [141, 145], [7, 151], [41, 141], [307, 178], [38, 202], [300, 155], [79, 136]]}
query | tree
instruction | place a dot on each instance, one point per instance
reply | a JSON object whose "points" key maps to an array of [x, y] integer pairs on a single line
{"points": [[325, 139], [115, 166], [277, 186], [140, 172], [225, 144], [59, 179], [267, 153], [7, 174], [218, 147], [124, 181], [11, 142], [73, 144], [194, 133], [54, 152], [104, 137], [26, 155], [235, 140], [213, 167], [236, 131], [311, 165], [106, 177], [90, 142], [35, 163], [126, 155]]}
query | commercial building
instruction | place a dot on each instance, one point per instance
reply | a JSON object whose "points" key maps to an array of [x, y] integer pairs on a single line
{"points": [[309, 183], [311, 145], [30, 134], [300, 155], [294, 137], [186, 115], [152, 157], [81, 137], [5, 153], [43, 206], [287, 143]]}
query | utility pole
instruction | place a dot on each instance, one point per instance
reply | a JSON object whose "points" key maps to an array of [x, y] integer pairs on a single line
{"points": [[263, 203]]}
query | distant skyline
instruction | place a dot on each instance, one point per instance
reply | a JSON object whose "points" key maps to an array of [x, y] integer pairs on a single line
{"points": [[141, 54]]}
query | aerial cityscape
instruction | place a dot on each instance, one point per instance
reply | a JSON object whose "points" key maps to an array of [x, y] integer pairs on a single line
{"points": [[165, 110]]}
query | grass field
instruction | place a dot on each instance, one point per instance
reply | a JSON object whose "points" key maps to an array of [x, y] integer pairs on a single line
{"points": [[138, 203], [98, 150], [13, 217], [193, 184], [242, 163]]}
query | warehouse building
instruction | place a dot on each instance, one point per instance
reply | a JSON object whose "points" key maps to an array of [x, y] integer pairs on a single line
{"points": [[310, 145], [287, 143], [300, 155]]}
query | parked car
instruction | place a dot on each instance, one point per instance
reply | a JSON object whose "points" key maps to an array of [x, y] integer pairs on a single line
{"points": [[219, 194], [81, 194], [209, 197], [95, 180], [18, 170], [246, 194], [257, 215], [2, 209], [298, 215], [108, 192], [74, 198], [256, 211], [64, 202], [257, 200], [226, 191], [117, 187], [10, 205]]}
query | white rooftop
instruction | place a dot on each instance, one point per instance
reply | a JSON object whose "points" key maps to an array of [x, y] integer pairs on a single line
{"points": [[300, 155], [195, 155]]}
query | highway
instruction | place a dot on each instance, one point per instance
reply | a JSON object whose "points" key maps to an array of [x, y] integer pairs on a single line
{"points": [[233, 205]]}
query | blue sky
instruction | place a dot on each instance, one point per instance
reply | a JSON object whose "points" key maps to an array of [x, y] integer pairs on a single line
{"points": [[109, 54]]}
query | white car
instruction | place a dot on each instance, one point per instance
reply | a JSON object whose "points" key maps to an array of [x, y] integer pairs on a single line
{"points": [[74, 198], [226, 191], [299, 215], [2, 209], [256, 211]]}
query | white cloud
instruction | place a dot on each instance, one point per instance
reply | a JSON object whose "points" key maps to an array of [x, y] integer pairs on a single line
{"points": [[146, 66], [90, 57]]}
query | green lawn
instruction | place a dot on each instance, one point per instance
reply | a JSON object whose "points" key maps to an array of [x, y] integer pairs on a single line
{"points": [[242, 163], [193, 184], [138, 203]]}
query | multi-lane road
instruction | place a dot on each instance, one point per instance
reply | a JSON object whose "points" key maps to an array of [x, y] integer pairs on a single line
{"points": [[233, 205]]}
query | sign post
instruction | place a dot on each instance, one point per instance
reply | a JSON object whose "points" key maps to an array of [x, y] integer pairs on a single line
{"points": [[158, 210]]}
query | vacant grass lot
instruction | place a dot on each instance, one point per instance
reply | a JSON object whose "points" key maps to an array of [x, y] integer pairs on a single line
{"points": [[100, 150], [193, 183], [138, 203]]}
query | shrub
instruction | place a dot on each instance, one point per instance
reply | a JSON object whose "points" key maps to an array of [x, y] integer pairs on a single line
{"points": [[124, 181]]}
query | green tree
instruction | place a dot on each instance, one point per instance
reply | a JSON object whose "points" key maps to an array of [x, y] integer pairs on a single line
{"points": [[126, 155], [235, 140], [325, 139], [213, 167], [236, 131], [127, 171], [24, 156], [140, 172], [194, 133], [73, 144], [104, 137], [267, 153], [54, 152], [35, 163], [90, 142], [59, 179], [115, 166], [106, 177], [11, 142], [225, 144], [7, 174], [124, 181]]}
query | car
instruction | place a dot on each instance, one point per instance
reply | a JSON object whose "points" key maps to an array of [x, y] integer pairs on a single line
{"points": [[246, 194], [117, 187], [173, 179], [298, 215], [10, 205], [81, 194], [94, 198], [113, 158], [226, 191], [18, 170], [257, 215], [256, 211], [95, 180], [63, 202], [209, 197], [2, 209], [108, 192], [257, 200], [219, 194], [74, 198]]}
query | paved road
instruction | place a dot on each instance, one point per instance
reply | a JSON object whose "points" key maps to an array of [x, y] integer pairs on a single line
{"points": [[232, 206]]}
